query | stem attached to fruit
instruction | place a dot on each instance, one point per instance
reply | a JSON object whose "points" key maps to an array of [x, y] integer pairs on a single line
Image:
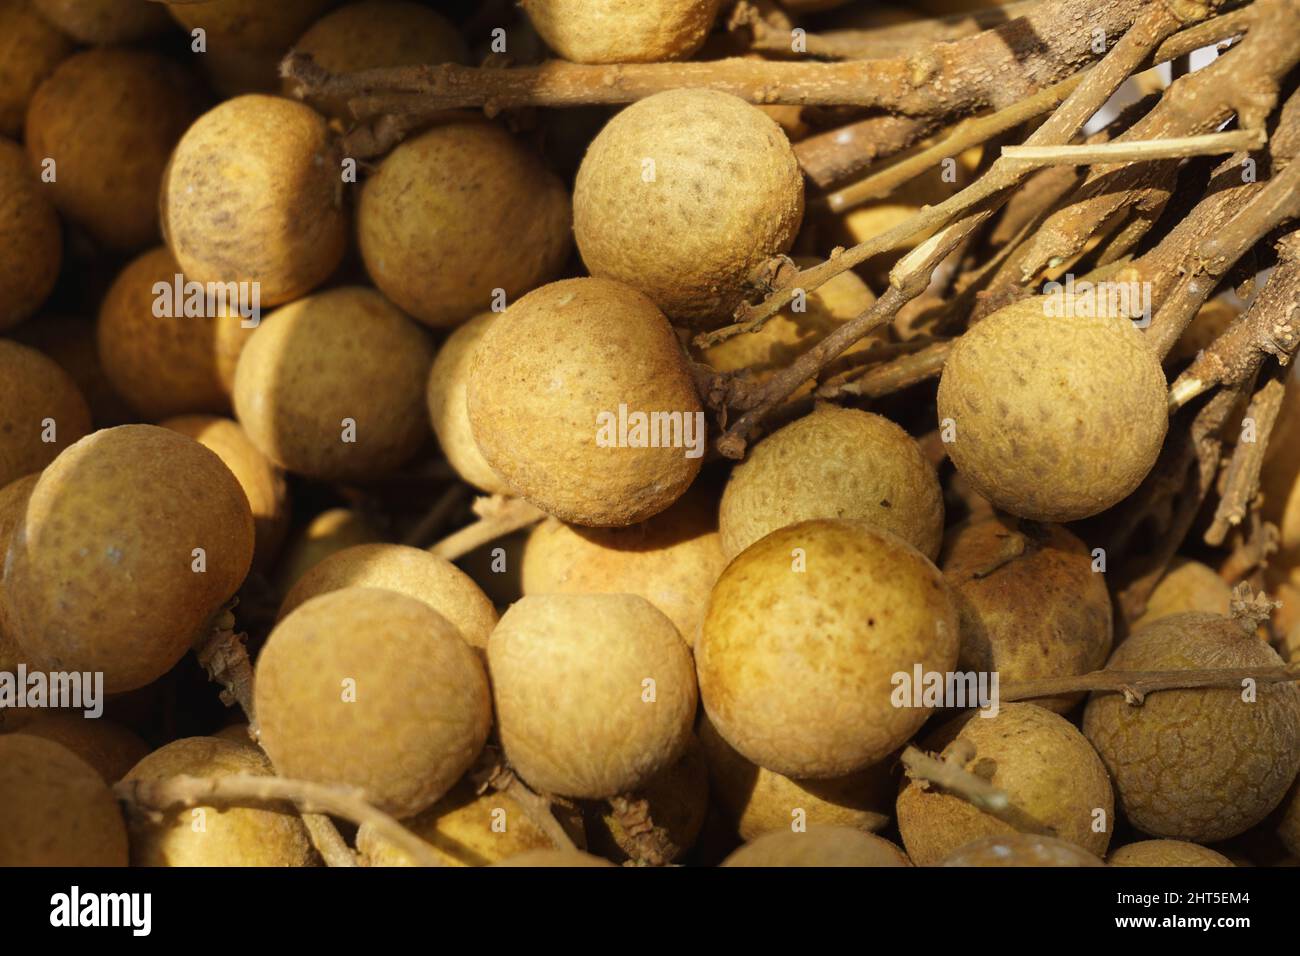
{"points": [[499, 515], [1135, 685], [947, 773]]}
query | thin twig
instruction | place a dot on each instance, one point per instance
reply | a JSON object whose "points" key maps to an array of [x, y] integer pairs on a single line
{"points": [[492, 771], [947, 773], [499, 515], [1136, 685], [1241, 484], [1131, 151]]}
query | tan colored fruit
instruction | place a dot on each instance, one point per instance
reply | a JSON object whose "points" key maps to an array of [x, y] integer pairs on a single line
{"points": [[1197, 764], [594, 692], [332, 386], [671, 560], [758, 801], [166, 365], [1288, 829], [31, 239], [1021, 849], [1165, 853], [622, 31], [1280, 483], [266, 835], [249, 24], [410, 571], [263, 482], [70, 340], [104, 21], [13, 504], [54, 808], [448, 383], [834, 463], [1186, 586], [1031, 604], [38, 400], [236, 733], [109, 118], [463, 829], [108, 747], [252, 195], [1038, 759], [682, 196], [1056, 418], [30, 49], [456, 214], [547, 387], [803, 636], [102, 576], [372, 689], [676, 799], [818, 846], [327, 533], [554, 858]]}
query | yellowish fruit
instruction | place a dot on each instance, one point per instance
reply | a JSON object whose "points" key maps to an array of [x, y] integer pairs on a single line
{"points": [[1281, 487], [108, 747], [622, 31], [104, 21], [676, 800], [13, 504], [1186, 586], [448, 384], [1021, 849], [30, 49], [249, 24], [554, 858], [1288, 829], [1165, 853], [41, 411], [31, 239], [818, 846], [327, 533], [70, 340]]}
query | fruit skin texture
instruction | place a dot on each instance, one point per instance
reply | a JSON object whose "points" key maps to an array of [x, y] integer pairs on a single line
{"points": [[545, 373], [1043, 764], [108, 747], [1288, 829], [341, 354], [54, 808], [1044, 613], [677, 799], [622, 31], [834, 463], [30, 49], [456, 213], [554, 858], [1166, 853], [1198, 764], [32, 389], [31, 239], [1186, 586], [13, 502], [866, 606], [413, 572], [327, 533], [726, 195], [448, 411], [421, 708], [1021, 849], [568, 673], [253, 24], [104, 21], [818, 846], [109, 119], [1057, 418], [251, 195], [100, 573]]}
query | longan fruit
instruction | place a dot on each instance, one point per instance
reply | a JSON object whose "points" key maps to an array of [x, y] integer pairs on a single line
{"points": [[554, 858], [71, 341], [677, 801], [682, 196], [544, 375], [31, 239], [264, 835], [252, 194], [818, 846], [328, 532], [104, 21], [108, 747], [253, 24], [372, 689], [38, 401], [332, 386], [109, 119], [854, 606], [1021, 849], [458, 215], [834, 463], [1165, 853], [30, 49], [103, 574], [1280, 483], [263, 483], [1056, 418], [1030, 603], [622, 31], [1187, 586], [594, 693], [1197, 764], [1038, 759], [448, 384], [671, 560], [410, 571], [1288, 829], [55, 810], [13, 503]]}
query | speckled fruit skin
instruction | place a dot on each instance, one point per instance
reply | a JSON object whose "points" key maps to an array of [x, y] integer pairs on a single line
{"points": [[165, 365], [834, 463], [33, 389], [108, 747], [543, 375], [1288, 828], [671, 560], [448, 412], [104, 21], [622, 31], [252, 194], [457, 212], [1186, 586], [250, 24], [1165, 853], [328, 532], [1021, 849], [410, 571], [31, 239], [421, 710], [726, 194], [568, 673], [1044, 613], [99, 576], [1044, 765], [1198, 764], [30, 49], [267, 835], [1056, 418], [341, 354], [818, 846], [13, 503], [677, 799], [54, 808], [109, 119], [865, 607], [554, 858]]}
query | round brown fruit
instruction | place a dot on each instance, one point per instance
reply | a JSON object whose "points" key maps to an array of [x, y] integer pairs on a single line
{"points": [[1288, 829], [327, 533], [622, 31], [249, 24], [1187, 586], [38, 400], [30, 49], [818, 846], [108, 747], [31, 239], [104, 21], [1021, 849], [448, 384], [554, 858], [1165, 853], [13, 503]]}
